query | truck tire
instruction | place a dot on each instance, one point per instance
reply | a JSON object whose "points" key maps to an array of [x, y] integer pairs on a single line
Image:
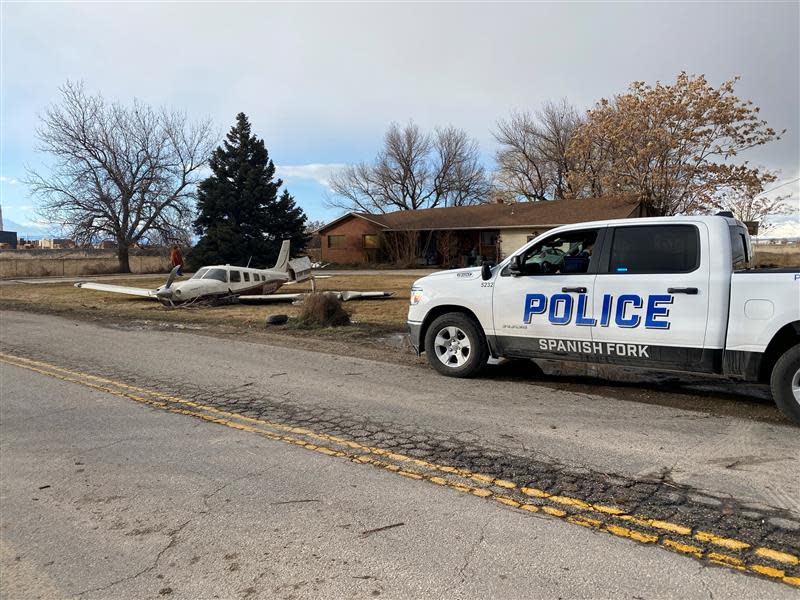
{"points": [[785, 383], [456, 345]]}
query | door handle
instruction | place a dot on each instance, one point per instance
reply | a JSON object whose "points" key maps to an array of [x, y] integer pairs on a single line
{"points": [[692, 291], [576, 290]]}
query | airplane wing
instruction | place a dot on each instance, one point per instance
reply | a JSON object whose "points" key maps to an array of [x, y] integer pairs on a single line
{"points": [[343, 296], [350, 295], [270, 297], [116, 289]]}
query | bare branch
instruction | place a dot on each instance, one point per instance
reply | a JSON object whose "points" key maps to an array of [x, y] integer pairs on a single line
{"points": [[125, 172], [414, 170]]}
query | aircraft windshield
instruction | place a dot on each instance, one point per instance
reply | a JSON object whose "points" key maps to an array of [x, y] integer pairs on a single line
{"points": [[218, 274], [200, 273]]}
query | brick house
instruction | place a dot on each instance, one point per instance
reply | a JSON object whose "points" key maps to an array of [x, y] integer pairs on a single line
{"points": [[459, 235]]}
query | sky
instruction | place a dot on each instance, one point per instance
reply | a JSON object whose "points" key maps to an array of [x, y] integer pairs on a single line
{"points": [[321, 82]]}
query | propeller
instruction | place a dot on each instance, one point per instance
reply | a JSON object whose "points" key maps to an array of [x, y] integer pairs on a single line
{"points": [[171, 277], [165, 291]]}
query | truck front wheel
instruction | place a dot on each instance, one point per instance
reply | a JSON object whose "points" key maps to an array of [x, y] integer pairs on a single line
{"points": [[456, 345], [785, 382]]}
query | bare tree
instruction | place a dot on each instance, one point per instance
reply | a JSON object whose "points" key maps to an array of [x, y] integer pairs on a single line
{"points": [[402, 247], [532, 160], [751, 207], [414, 170], [124, 172]]}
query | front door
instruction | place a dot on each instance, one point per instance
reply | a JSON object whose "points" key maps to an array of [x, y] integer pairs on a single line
{"points": [[545, 311], [651, 297]]}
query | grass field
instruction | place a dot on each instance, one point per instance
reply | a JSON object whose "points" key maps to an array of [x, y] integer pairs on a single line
{"points": [[65, 299], [373, 316], [778, 256]]}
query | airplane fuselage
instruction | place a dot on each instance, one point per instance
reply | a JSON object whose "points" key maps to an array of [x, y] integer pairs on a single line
{"points": [[219, 281]]}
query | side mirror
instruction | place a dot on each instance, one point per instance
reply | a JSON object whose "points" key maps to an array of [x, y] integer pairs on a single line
{"points": [[515, 266], [486, 271]]}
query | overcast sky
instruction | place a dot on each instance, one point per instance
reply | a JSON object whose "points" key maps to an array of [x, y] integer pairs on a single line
{"points": [[321, 81]]}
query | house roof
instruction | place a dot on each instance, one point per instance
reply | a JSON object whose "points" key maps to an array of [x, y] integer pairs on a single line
{"points": [[502, 216]]}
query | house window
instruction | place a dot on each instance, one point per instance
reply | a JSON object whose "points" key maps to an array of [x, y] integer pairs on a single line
{"points": [[370, 240], [336, 241], [488, 238]]}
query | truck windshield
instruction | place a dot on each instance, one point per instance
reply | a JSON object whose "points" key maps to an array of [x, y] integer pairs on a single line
{"points": [[218, 274]]}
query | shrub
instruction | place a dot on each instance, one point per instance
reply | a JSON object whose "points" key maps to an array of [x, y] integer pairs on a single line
{"points": [[322, 310]]}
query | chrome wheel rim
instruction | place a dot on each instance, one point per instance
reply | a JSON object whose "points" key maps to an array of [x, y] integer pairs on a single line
{"points": [[796, 386], [452, 346]]}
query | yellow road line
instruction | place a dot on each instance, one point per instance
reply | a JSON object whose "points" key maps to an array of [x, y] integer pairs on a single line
{"points": [[777, 556], [253, 425], [728, 543], [681, 547]]}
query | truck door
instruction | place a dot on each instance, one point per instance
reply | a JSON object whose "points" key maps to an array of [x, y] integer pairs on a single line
{"points": [[651, 296], [544, 308]]}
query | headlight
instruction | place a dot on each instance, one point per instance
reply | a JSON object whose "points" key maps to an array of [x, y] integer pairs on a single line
{"points": [[416, 296]]}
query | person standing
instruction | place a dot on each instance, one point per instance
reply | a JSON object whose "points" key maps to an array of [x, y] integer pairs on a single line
{"points": [[176, 259]]}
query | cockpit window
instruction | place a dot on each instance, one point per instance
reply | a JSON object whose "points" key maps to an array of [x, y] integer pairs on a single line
{"points": [[200, 273], [236, 276], [218, 274]]}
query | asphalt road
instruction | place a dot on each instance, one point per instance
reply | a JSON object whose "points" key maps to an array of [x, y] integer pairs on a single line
{"points": [[149, 464]]}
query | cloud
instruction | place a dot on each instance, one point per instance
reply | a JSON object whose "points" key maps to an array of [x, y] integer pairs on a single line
{"points": [[321, 173], [786, 229], [8, 180], [30, 227]]}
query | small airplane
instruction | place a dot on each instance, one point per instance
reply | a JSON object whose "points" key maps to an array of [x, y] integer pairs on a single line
{"points": [[224, 284]]}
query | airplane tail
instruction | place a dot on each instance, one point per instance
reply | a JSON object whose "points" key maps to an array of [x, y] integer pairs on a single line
{"points": [[283, 258]]}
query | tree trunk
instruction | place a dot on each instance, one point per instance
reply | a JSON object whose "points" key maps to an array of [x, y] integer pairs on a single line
{"points": [[123, 255]]}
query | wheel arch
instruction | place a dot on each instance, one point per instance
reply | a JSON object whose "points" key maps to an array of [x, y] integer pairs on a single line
{"points": [[442, 309], [786, 337]]}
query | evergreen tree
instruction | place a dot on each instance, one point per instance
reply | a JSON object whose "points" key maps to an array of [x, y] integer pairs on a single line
{"points": [[240, 213]]}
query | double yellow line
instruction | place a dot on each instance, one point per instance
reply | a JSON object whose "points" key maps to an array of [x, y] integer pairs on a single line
{"points": [[609, 519]]}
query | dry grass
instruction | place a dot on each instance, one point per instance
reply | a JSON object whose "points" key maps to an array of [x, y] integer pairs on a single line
{"points": [[322, 310], [65, 299], [777, 256]]}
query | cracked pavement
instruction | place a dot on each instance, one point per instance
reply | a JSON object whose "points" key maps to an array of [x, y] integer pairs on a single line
{"points": [[147, 504]]}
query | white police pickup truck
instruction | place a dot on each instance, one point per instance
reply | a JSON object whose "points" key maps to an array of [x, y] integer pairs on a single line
{"points": [[671, 293]]}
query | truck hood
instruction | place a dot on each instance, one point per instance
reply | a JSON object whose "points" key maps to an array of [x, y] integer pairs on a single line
{"points": [[457, 274]]}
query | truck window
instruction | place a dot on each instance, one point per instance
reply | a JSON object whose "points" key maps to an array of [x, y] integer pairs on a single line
{"points": [[563, 253], [236, 276], [739, 257], [654, 249]]}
